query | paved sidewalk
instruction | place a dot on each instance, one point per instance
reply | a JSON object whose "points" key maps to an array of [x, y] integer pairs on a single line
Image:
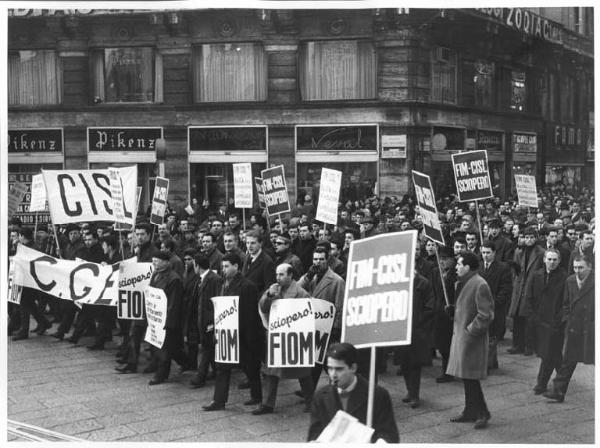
{"points": [[74, 391]]}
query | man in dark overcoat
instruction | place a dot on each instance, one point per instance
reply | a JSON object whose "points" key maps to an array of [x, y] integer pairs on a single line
{"points": [[498, 276], [251, 336], [473, 315], [349, 392], [189, 313], [258, 267], [529, 259], [412, 357], [578, 316], [544, 295]]}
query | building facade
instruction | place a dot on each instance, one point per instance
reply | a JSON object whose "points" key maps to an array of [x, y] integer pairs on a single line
{"points": [[374, 93]]}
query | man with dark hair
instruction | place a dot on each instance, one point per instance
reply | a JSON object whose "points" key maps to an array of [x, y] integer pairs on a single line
{"points": [[585, 249], [208, 286], [469, 350], [283, 254], [498, 276], [231, 244], [578, 317], [472, 239], [258, 267], [189, 313], [544, 294], [209, 248], [251, 336], [553, 243], [168, 245], [529, 259], [306, 246], [349, 392]]}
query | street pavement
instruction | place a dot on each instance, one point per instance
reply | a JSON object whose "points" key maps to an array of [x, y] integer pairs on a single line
{"points": [[71, 390]]}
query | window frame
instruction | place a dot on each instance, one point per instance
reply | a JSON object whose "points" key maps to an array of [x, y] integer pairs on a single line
{"points": [[59, 76], [437, 59]]}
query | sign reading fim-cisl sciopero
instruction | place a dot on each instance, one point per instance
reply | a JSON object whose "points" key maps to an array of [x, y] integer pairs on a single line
{"points": [[379, 286], [472, 175], [275, 190]]}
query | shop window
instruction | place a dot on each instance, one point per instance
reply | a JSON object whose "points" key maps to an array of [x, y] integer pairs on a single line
{"points": [[483, 81], [443, 75], [338, 70], [518, 90], [214, 183], [34, 78], [230, 72], [127, 75]]}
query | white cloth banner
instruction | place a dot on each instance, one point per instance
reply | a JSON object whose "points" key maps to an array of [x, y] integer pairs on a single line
{"points": [[38, 194], [85, 195], [134, 279], [526, 190], [329, 194], [242, 185], [324, 313], [156, 312], [227, 334], [291, 334], [80, 281]]}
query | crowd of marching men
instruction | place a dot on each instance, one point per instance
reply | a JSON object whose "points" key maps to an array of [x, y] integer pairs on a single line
{"points": [[211, 252]]}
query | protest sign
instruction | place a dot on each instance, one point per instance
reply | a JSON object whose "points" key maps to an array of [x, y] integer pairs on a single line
{"points": [[15, 196], [159, 201], [134, 278], [38, 194], [259, 192], [116, 195], [156, 312], [526, 190], [379, 286], [291, 334], [84, 195], [275, 190], [329, 194], [242, 185], [324, 312], [80, 281], [122, 226], [227, 334], [23, 212], [427, 207], [345, 428], [472, 175], [14, 291]]}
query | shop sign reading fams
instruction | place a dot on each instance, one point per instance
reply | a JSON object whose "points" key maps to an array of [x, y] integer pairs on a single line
{"points": [[525, 22]]}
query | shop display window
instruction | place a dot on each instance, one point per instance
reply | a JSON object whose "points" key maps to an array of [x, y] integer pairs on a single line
{"points": [[518, 90], [34, 78], [230, 72], [338, 70]]}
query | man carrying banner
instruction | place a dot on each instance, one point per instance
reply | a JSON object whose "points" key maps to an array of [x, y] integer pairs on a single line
{"points": [[349, 392], [322, 283], [284, 288], [251, 336], [166, 279], [469, 350]]}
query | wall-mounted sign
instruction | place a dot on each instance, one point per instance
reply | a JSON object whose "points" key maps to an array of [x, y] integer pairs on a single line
{"points": [[336, 138], [490, 140], [524, 142], [567, 137], [244, 138], [449, 139], [35, 140], [525, 22], [393, 146], [123, 139]]}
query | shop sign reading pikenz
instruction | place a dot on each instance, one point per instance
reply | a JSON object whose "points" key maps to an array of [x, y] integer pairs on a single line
{"points": [[35, 140], [123, 139]]}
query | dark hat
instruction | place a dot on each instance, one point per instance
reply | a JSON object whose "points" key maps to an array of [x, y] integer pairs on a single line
{"points": [[71, 227], [495, 223], [161, 254]]}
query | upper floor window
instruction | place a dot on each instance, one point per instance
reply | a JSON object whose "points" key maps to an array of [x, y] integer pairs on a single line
{"points": [[443, 75], [483, 81], [127, 75], [230, 72], [34, 78], [338, 70], [518, 95]]}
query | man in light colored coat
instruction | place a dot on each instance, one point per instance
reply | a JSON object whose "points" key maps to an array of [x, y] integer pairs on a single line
{"points": [[474, 311]]}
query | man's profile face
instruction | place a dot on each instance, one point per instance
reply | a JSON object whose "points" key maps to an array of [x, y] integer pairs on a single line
{"points": [[462, 269], [340, 374], [229, 270], [587, 241], [282, 276]]}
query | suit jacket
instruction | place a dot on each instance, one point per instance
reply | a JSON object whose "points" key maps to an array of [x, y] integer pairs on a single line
{"points": [[190, 306], [499, 278], [326, 402], [330, 288], [504, 248], [261, 271], [518, 306], [472, 317], [545, 300], [209, 287], [578, 314]]}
